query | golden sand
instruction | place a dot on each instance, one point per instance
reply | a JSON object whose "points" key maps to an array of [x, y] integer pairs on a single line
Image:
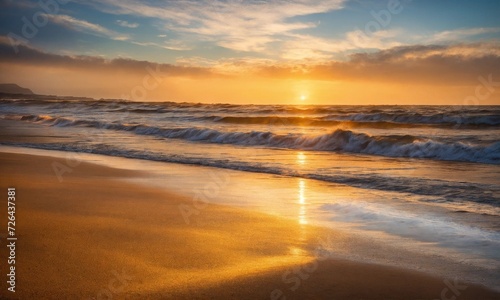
{"points": [[95, 236]]}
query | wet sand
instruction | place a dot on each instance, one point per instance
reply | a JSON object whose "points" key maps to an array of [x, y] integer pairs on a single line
{"points": [[95, 236]]}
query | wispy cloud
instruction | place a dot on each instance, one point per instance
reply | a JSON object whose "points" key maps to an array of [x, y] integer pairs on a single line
{"points": [[127, 24], [228, 66], [175, 45], [312, 48], [234, 24], [461, 34], [86, 27], [461, 51]]}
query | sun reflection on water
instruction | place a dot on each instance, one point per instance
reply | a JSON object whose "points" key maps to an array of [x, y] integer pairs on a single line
{"points": [[301, 158]]}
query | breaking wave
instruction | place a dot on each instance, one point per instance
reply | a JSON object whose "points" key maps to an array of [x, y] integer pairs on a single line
{"points": [[339, 140], [378, 120]]}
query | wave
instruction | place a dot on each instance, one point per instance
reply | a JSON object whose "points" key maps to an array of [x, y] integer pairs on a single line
{"points": [[414, 225], [469, 197], [443, 116], [361, 120], [455, 120], [297, 121], [327, 116], [339, 141]]}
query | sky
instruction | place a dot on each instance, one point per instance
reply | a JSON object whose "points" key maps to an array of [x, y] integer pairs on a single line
{"points": [[256, 51]]}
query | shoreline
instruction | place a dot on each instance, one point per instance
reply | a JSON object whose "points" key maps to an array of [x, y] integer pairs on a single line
{"points": [[93, 231]]}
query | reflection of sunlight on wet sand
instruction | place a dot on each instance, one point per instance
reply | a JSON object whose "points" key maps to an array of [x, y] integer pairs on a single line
{"points": [[302, 160], [302, 219], [302, 202]]}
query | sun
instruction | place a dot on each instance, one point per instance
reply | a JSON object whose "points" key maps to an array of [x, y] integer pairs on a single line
{"points": [[303, 97]]}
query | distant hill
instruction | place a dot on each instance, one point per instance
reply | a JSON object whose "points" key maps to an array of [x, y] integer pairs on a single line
{"points": [[11, 88]]}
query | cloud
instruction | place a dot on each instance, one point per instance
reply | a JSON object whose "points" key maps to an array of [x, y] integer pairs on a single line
{"points": [[21, 4], [32, 57], [253, 26], [461, 34], [234, 24], [127, 24], [458, 64], [228, 66], [455, 65], [84, 26], [452, 65], [312, 48], [175, 45]]}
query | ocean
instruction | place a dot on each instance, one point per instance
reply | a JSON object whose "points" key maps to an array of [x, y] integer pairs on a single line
{"points": [[403, 181]]}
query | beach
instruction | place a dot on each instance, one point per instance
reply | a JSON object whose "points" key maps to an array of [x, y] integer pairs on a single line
{"points": [[230, 149], [96, 235]]}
